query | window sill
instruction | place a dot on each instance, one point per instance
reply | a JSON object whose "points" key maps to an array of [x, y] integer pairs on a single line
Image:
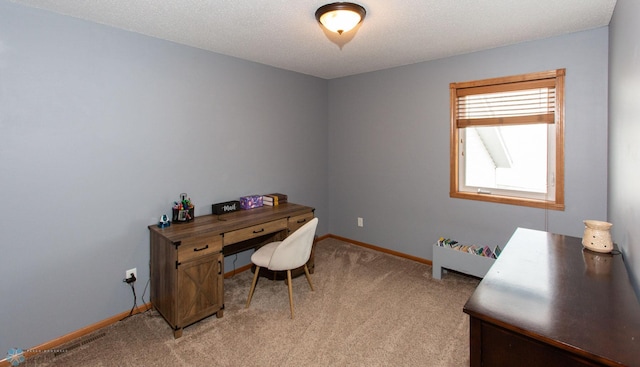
{"points": [[533, 203]]}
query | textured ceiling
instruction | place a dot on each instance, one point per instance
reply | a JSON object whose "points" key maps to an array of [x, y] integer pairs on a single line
{"points": [[285, 34]]}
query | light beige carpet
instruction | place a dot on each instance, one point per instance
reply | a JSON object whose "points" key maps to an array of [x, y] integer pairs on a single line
{"points": [[368, 309]]}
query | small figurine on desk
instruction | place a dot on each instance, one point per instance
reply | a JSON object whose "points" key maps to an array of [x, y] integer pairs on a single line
{"points": [[164, 221]]}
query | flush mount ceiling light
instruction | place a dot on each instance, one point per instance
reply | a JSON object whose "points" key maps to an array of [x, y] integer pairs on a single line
{"points": [[340, 17]]}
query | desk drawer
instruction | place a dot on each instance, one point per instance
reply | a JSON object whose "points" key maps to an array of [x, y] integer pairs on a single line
{"points": [[254, 231], [194, 247], [298, 221]]}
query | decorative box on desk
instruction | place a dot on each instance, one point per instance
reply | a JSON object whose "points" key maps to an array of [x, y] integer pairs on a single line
{"points": [[226, 207], [251, 201]]}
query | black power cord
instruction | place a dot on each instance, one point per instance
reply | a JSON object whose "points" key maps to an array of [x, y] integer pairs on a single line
{"points": [[144, 291], [131, 281]]}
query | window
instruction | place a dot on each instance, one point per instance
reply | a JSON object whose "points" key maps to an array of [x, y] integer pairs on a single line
{"points": [[507, 140]]}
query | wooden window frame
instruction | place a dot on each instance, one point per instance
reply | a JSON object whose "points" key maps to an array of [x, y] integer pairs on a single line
{"points": [[501, 84]]}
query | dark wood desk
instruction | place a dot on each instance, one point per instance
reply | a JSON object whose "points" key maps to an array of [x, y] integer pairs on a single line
{"points": [[547, 302], [187, 259]]}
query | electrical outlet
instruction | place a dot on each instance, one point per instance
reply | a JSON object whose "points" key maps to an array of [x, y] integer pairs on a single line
{"points": [[129, 272], [360, 222]]}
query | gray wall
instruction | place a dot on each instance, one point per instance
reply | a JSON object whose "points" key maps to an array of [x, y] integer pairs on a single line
{"points": [[624, 120], [389, 148], [101, 130]]}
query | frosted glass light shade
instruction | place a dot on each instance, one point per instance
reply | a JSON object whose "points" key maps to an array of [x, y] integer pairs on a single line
{"points": [[340, 17]]}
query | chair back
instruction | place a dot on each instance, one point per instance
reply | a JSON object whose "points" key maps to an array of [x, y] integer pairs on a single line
{"points": [[295, 250]]}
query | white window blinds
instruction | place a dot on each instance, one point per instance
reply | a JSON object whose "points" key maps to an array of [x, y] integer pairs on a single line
{"points": [[519, 102]]}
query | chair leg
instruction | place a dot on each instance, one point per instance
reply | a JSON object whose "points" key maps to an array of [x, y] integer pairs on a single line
{"points": [[306, 273], [253, 285], [290, 292]]}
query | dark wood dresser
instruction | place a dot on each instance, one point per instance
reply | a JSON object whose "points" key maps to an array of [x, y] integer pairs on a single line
{"points": [[548, 302], [187, 259]]}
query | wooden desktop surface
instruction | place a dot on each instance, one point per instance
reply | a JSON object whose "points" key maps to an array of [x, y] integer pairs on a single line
{"points": [[547, 302], [212, 223]]}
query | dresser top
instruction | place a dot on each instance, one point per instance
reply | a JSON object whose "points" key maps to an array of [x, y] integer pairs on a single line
{"points": [[548, 287]]}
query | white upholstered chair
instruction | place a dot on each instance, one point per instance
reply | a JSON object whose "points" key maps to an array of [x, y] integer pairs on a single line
{"points": [[291, 253]]}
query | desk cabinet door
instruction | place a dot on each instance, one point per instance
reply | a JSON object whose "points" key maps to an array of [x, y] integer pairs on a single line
{"points": [[200, 288]]}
